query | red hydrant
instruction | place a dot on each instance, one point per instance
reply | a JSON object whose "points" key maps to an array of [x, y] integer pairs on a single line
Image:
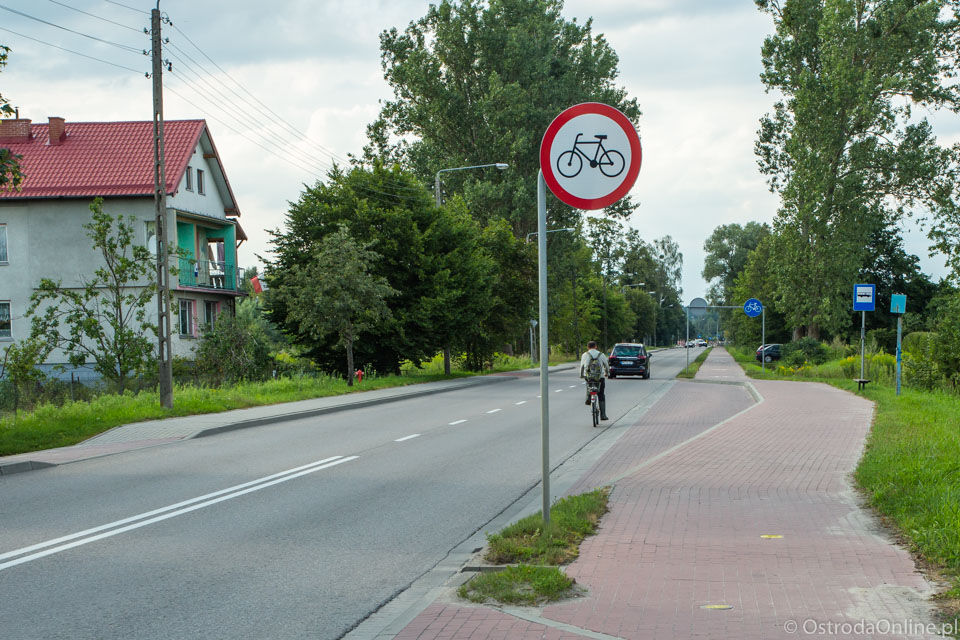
{"points": [[359, 375]]}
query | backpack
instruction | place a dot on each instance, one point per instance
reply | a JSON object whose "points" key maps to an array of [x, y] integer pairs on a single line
{"points": [[594, 369]]}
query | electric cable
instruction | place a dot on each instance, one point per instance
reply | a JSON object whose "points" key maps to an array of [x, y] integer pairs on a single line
{"points": [[85, 35], [77, 53], [93, 15]]}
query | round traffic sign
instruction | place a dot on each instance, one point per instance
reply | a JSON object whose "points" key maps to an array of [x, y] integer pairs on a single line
{"points": [[590, 156], [753, 307], [697, 307]]}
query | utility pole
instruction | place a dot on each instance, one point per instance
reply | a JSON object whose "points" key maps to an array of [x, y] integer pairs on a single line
{"points": [[164, 355]]}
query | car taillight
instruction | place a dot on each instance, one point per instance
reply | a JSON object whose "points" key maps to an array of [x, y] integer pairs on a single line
{"points": [[642, 358]]}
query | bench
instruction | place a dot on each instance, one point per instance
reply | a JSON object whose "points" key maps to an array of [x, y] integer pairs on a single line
{"points": [[861, 383]]}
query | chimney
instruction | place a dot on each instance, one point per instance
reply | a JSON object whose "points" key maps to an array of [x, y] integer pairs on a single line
{"points": [[57, 130], [15, 130]]}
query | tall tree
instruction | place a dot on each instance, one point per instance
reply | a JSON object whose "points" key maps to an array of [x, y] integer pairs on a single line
{"points": [[727, 249], [337, 294], [10, 174], [479, 81], [105, 319], [843, 148]]}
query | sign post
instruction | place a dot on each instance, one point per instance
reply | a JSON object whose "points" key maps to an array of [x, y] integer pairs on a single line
{"points": [[864, 299], [898, 305], [589, 158], [754, 308]]}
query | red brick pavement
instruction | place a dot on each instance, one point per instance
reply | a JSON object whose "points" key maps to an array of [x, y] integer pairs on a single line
{"points": [[685, 527]]}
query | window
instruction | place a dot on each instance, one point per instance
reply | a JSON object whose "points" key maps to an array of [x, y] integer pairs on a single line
{"points": [[3, 243], [210, 312], [200, 182], [190, 178], [188, 326], [150, 234], [6, 326]]}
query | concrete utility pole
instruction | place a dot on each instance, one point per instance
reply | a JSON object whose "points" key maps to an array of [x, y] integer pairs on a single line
{"points": [[164, 355]]}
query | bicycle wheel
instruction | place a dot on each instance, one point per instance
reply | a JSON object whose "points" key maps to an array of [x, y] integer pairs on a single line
{"points": [[595, 410], [612, 163], [569, 164]]}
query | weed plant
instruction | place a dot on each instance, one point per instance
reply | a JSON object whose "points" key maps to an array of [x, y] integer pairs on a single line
{"points": [[522, 585]]}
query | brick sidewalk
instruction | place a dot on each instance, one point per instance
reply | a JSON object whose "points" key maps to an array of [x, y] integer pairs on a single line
{"points": [[686, 520]]}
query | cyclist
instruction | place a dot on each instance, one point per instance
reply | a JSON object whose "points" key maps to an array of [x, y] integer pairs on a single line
{"points": [[594, 368]]}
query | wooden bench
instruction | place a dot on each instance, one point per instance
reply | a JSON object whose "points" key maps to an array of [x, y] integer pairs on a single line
{"points": [[861, 383]]}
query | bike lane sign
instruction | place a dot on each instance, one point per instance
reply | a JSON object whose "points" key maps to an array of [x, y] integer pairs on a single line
{"points": [[590, 156], [753, 307]]}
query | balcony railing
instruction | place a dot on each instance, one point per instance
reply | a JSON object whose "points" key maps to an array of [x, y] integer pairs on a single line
{"points": [[209, 274]]}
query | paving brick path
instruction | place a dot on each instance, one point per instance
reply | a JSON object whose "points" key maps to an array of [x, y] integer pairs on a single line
{"points": [[688, 512]]}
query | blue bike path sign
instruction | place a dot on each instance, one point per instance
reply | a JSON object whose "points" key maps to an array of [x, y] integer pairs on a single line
{"points": [[753, 307]]}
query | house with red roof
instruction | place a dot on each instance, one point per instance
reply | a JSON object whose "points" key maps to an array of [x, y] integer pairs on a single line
{"points": [[66, 165]]}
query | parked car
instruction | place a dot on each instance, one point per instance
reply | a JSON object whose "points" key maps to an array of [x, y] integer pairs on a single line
{"points": [[629, 359], [768, 352]]}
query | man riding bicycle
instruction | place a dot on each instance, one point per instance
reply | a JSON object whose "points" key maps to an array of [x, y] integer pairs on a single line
{"points": [[594, 368]]}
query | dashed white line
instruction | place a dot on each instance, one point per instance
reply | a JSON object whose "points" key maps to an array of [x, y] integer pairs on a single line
{"points": [[521, 402], [493, 410], [456, 422], [416, 435], [558, 390], [573, 386]]}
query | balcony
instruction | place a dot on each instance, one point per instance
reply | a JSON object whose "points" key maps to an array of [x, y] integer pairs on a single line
{"points": [[209, 275]]}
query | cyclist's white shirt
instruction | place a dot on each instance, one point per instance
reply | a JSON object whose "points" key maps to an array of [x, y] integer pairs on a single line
{"points": [[591, 354]]}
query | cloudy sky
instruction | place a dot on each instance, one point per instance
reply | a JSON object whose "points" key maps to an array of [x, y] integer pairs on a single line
{"points": [[295, 82]]}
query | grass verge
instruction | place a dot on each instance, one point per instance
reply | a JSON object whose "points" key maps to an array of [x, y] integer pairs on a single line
{"points": [[691, 371], [527, 543], [50, 426], [910, 469]]}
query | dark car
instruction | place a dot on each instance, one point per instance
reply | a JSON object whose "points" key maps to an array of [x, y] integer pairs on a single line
{"points": [[768, 352], [629, 359]]}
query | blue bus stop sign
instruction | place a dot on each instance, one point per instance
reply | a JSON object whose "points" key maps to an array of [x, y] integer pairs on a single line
{"points": [[864, 297], [752, 307]]}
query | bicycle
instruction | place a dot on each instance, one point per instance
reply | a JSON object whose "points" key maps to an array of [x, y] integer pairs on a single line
{"points": [[611, 162], [753, 307], [593, 386]]}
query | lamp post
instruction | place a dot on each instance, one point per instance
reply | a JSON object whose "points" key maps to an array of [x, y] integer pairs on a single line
{"points": [[535, 233], [436, 186], [656, 314]]}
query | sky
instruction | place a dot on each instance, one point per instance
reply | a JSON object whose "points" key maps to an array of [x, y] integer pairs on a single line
{"points": [[293, 84]]}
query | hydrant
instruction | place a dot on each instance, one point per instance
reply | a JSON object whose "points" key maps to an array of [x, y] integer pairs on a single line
{"points": [[359, 375]]}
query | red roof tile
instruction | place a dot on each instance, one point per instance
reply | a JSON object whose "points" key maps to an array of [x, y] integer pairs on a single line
{"points": [[101, 159]]}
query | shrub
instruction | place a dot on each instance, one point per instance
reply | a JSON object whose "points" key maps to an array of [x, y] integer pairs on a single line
{"points": [[236, 349], [805, 350]]}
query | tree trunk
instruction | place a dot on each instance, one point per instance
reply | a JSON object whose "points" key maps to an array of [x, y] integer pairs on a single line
{"points": [[813, 331], [350, 369]]}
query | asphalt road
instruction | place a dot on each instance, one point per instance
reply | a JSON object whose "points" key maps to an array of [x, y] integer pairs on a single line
{"points": [[293, 530]]}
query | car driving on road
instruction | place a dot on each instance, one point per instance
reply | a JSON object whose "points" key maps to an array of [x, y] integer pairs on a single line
{"points": [[629, 359]]}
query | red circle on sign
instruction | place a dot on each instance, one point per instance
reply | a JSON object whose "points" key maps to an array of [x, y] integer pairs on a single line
{"points": [[549, 176]]}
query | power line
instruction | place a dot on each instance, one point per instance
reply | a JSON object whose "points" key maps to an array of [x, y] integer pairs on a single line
{"points": [[125, 6], [113, 44], [77, 53], [92, 15]]}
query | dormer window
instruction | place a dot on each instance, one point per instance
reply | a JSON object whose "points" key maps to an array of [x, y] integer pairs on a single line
{"points": [[189, 178], [200, 188]]}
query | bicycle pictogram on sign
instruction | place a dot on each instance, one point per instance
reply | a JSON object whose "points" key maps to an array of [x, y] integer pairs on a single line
{"points": [[610, 161]]}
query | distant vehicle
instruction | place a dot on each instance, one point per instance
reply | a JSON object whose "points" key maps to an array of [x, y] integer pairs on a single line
{"points": [[768, 352], [691, 344], [701, 342], [629, 359]]}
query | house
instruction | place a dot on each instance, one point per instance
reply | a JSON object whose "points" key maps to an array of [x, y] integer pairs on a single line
{"points": [[66, 165]]}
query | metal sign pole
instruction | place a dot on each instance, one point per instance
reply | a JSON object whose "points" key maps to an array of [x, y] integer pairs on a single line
{"points": [[899, 353], [544, 346], [863, 343], [686, 346], [763, 339]]}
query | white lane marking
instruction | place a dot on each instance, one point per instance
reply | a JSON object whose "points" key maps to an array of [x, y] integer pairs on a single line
{"points": [[416, 435], [521, 402], [573, 386], [456, 422], [558, 390], [148, 514], [262, 483], [493, 411]]}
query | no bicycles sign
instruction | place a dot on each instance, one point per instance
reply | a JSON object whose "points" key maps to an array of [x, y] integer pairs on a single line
{"points": [[590, 156]]}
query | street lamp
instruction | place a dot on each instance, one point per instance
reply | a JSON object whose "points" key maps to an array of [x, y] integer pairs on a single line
{"points": [[436, 186], [656, 315]]}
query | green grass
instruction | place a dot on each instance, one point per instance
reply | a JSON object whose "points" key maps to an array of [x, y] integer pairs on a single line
{"points": [[49, 426], [528, 543], [523, 585], [571, 520], [691, 371], [910, 469]]}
